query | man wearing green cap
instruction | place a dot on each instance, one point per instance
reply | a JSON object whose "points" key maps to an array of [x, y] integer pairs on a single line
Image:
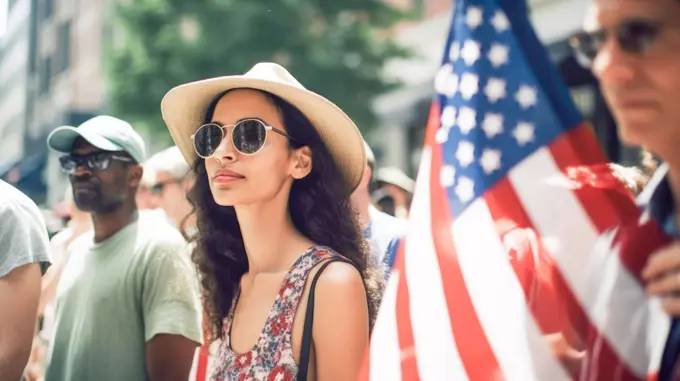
{"points": [[127, 302]]}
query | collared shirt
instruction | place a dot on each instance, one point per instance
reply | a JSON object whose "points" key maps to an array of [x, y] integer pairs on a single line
{"points": [[382, 232], [657, 200]]}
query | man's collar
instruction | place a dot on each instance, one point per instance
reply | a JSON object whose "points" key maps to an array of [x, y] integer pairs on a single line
{"points": [[657, 200], [657, 185], [657, 188]]}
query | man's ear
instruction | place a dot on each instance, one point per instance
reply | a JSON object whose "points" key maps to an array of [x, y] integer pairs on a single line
{"points": [[189, 182], [302, 163], [366, 178], [135, 173]]}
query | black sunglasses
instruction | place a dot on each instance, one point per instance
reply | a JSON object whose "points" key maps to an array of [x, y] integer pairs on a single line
{"points": [[248, 137], [96, 162], [634, 36]]}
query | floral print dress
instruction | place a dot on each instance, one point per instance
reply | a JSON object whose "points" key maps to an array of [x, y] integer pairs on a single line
{"points": [[272, 356]]}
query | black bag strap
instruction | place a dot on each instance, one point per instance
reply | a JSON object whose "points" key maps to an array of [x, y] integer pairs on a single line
{"points": [[309, 321]]}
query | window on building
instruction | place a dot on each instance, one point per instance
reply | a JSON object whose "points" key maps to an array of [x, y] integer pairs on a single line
{"points": [[45, 75], [63, 54], [45, 9]]}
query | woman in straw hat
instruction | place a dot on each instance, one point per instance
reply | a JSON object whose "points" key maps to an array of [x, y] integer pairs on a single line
{"points": [[275, 165]]}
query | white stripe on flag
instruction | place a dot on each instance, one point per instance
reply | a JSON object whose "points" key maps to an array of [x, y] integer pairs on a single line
{"points": [[436, 351], [384, 352], [520, 347], [194, 365], [612, 298]]}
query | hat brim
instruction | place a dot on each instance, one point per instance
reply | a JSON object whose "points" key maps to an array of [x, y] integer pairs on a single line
{"points": [[62, 139], [395, 178], [184, 107]]}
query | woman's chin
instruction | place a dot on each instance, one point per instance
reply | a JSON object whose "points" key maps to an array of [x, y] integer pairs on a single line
{"points": [[224, 197], [223, 200]]}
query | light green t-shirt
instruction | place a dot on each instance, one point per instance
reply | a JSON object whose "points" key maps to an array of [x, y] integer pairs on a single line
{"points": [[115, 296]]}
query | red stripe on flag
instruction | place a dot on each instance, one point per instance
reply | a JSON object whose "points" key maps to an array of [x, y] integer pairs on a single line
{"points": [[541, 284], [608, 204], [602, 207], [202, 365], [433, 124], [473, 346], [409, 362], [533, 266], [604, 198], [204, 351]]}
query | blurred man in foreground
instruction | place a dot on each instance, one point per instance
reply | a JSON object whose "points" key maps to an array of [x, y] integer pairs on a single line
{"points": [[381, 229], [633, 48]]}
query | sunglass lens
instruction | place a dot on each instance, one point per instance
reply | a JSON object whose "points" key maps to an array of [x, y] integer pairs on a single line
{"points": [[68, 164], [207, 139], [249, 136], [637, 36], [99, 162]]}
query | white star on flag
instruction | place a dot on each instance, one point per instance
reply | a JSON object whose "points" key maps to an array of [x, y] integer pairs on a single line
{"points": [[471, 52], [469, 85], [465, 189], [498, 55], [465, 153], [442, 135], [447, 176], [526, 96], [448, 117], [495, 89], [523, 133], [500, 22], [493, 124], [446, 81], [490, 160], [454, 52], [474, 17], [467, 119]]}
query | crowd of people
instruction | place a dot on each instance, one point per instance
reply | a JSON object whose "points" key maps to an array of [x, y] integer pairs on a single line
{"points": [[122, 299], [257, 247]]}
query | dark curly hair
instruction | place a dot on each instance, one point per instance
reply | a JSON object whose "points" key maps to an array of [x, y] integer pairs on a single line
{"points": [[319, 207]]}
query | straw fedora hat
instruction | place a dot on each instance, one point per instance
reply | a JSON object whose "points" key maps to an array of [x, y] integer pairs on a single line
{"points": [[184, 108]]}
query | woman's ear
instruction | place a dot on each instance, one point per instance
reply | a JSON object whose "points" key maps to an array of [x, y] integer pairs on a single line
{"points": [[302, 162]]}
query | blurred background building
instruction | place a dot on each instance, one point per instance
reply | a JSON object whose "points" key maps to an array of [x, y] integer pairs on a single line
{"points": [[52, 72]]}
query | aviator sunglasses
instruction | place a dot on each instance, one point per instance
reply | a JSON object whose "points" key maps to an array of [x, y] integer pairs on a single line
{"points": [[248, 137], [634, 36], [96, 162]]}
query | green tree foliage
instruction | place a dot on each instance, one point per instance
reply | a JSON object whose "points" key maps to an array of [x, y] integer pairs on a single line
{"points": [[334, 47]]}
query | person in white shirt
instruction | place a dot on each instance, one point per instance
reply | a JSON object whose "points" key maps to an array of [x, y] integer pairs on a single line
{"points": [[24, 256], [381, 229], [171, 183]]}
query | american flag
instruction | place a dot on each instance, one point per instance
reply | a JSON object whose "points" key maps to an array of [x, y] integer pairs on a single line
{"points": [[509, 204]]}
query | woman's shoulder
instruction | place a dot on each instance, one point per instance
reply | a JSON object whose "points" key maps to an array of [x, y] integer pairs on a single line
{"points": [[338, 273]]}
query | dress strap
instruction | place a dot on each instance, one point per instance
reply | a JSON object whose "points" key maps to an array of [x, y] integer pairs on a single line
{"points": [[294, 286]]}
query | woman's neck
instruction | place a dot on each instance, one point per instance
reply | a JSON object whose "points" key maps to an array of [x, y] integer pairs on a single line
{"points": [[271, 241]]}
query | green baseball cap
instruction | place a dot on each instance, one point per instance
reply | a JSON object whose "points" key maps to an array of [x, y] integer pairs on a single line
{"points": [[104, 132]]}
